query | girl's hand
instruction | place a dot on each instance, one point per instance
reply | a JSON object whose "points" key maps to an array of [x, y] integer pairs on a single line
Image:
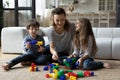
{"points": [[71, 56], [80, 61], [55, 56], [41, 49], [28, 46]]}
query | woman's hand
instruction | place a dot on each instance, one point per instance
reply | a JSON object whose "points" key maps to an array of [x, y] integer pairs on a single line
{"points": [[54, 55], [53, 51]]}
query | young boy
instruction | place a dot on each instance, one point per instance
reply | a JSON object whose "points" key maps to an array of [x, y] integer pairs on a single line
{"points": [[37, 53]]}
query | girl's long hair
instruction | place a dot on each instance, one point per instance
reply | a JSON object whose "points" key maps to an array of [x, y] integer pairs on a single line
{"points": [[58, 11], [82, 37]]}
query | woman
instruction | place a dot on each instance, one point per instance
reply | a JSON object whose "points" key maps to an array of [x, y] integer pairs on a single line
{"points": [[60, 35]]}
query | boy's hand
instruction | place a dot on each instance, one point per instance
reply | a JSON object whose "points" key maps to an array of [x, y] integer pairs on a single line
{"points": [[41, 49], [28, 45]]}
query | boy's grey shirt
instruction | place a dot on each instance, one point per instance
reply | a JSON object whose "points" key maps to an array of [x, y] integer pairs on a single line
{"points": [[34, 48]]}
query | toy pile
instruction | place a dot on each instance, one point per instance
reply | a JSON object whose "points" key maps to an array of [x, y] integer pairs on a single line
{"points": [[56, 73], [71, 63]]}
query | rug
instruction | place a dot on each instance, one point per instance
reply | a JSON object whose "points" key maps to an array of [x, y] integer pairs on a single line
{"points": [[19, 72]]}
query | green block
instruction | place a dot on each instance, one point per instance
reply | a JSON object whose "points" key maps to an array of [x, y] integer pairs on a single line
{"points": [[68, 71], [80, 74], [60, 73], [67, 65], [55, 67]]}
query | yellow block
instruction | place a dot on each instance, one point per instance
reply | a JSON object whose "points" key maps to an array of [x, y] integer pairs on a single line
{"points": [[39, 43]]}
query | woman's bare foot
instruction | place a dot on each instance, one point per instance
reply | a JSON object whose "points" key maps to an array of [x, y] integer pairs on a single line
{"points": [[6, 67], [106, 65]]}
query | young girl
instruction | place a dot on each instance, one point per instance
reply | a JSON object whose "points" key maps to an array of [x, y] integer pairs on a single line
{"points": [[85, 46], [36, 53], [60, 35]]}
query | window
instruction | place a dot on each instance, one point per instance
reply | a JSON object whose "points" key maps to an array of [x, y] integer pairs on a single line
{"points": [[18, 12], [107, 5]]}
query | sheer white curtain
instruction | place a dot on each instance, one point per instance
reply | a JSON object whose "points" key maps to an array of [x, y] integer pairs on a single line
{"points": [[43, 11], [40, 9]]}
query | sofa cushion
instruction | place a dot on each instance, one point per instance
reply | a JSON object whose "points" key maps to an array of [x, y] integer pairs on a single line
{"points": [[45, 33], [116, 32], [46, 40], [104, 33], [116, 48], [44, 30], [104, 48], [95, 32]]}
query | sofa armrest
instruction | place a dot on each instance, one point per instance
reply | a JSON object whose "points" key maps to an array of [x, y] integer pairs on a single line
{"points": [[104, 48], [11, 39]]}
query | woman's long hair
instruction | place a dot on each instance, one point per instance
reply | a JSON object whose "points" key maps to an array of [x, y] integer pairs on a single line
{"points": [[58, 11], [82, 37]]}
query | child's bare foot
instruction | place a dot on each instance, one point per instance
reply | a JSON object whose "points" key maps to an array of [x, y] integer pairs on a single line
{"points": [[6, 67], [106, 65]]}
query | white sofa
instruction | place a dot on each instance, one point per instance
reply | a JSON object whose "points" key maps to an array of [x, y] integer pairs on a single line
{"points": [[108, 40]]}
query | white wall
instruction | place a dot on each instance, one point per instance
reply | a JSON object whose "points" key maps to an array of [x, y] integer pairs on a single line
{"points": [[83, 5], [88, 6]]}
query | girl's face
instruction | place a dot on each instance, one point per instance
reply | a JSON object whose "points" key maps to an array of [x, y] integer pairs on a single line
{"points": [[78, 26], [33, 31], [59, 20]]}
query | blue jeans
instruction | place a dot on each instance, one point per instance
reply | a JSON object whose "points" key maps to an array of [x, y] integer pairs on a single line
{"points": [[90, 64], [38, 58]]}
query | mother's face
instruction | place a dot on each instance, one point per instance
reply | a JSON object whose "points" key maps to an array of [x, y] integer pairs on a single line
{"points": [[59, 20]]}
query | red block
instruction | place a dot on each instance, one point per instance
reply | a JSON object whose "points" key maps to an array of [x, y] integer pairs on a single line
{"points": [[87, 73]]}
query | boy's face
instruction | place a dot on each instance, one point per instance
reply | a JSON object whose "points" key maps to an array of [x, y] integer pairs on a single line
{"points": [[33, 31]]}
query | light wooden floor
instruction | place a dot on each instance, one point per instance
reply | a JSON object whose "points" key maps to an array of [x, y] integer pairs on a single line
{"points": [[7, 55], [22, 73]]}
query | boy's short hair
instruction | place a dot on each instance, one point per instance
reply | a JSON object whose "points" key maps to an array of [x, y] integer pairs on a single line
{"points": [[33, 23]]}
